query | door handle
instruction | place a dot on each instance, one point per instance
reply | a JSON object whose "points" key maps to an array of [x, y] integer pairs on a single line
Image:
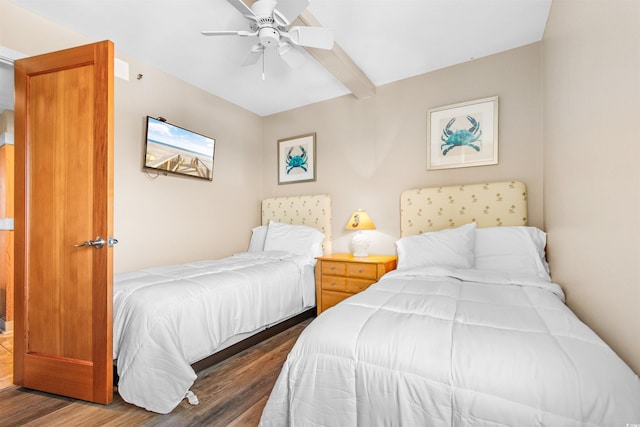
{"points": [[97, 243]]}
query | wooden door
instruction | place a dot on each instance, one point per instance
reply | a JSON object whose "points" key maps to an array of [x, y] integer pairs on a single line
{"points": [[63, 197]]}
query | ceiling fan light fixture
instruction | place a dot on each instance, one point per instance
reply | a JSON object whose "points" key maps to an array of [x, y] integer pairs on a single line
{"points": [[269, 36]]}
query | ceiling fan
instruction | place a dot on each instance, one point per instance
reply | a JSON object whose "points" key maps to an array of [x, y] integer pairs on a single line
{"points": [[271, 26]]}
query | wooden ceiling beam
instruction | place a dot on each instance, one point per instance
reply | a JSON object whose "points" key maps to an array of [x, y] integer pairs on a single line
{"points": [[338, 63]]}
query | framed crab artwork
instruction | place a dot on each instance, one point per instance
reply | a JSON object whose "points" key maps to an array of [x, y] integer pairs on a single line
{"points": [[297, 159], [463, 135]]}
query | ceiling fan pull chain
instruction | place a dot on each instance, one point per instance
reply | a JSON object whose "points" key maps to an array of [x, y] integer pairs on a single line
{"points": [[263, 55]]}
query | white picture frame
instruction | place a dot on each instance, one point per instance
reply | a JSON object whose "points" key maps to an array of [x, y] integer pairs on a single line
{"points": [[463, 134]]}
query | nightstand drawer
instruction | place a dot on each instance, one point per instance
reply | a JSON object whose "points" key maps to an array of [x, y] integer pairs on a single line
{"points": [[338, 276], [334, 283], [358, 285], [329, 299], [366, 271], [334, 268]]}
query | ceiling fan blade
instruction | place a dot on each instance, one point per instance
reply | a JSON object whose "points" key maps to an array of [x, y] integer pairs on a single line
{"points": [[321, 38], [280, 19], [292, 8], [290, 55], [241, 7], [254, 54], [229, 33]]}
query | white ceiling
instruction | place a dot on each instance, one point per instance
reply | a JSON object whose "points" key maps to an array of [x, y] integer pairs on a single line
{"points": [[388, 40]]}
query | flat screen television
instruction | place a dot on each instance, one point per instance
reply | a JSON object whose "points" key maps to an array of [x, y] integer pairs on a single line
{"points": [[172, 149]]}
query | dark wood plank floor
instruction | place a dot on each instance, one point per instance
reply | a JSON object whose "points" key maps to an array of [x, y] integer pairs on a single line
{"points": [[231, 393]]}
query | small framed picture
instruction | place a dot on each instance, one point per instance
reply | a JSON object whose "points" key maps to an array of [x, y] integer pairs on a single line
{"points": [[463, 135], [297, 159]]}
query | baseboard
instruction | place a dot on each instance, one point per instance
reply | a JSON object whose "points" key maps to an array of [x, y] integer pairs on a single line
{"points": [[6, 326]]}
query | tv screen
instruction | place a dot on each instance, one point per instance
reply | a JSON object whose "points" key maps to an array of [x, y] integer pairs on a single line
{"points": [[170, 148]]}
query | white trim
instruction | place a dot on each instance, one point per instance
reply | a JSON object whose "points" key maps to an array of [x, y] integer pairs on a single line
{"points": [[6, 327], [6, 224], [9, 55], [121, 69], [6, 138]]}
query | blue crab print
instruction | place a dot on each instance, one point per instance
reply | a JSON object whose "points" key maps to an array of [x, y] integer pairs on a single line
{"points": [[462, 137], [297, 161]]}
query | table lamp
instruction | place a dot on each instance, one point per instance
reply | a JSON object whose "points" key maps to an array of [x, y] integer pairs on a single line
{"points": [[359, 221]]}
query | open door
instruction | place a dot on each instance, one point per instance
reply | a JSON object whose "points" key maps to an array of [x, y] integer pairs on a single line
{"points": [[63, 210]]}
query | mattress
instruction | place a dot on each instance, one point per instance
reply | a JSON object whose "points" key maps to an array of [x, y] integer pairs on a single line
{"points": [[444, 346], [166, 318]]}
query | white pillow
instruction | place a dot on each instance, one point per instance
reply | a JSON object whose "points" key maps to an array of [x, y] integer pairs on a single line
{"points": [[512, 248], [258, 236], [451, 247], [296, 239]]}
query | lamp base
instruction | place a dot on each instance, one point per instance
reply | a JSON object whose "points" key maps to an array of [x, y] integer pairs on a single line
{"points": [[360, 244]]}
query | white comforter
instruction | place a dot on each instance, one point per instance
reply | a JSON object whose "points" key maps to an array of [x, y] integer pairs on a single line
{"points": [[165, 318], [427, 348]]}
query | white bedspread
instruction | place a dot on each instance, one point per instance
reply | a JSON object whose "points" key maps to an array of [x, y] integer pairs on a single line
{"points": [[166, 318], [425, 348]]}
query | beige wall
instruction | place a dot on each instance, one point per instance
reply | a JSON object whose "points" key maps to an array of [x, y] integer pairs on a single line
{"points": [[591, 173], [6, 122], [167, 219], [370, 150]]}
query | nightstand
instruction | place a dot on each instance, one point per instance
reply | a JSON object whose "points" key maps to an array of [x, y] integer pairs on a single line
{"points": [[339, 276]]}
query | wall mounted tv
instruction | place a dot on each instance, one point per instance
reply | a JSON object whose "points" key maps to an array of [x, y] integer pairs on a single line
{"points": [[172, 149]]}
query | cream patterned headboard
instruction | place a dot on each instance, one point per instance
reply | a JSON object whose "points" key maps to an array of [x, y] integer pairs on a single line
{"points": [[313, 211], [436, 208]]}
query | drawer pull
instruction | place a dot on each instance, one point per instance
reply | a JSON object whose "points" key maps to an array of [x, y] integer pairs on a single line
{"points": [[361, 271], [361, 287]]}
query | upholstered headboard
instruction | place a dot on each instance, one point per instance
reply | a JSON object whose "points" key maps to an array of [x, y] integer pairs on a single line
{"points": [[312, 210], [436, 208]]}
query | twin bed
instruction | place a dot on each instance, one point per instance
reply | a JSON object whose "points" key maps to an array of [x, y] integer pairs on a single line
{"points": [[469, 330], [171, 321]]}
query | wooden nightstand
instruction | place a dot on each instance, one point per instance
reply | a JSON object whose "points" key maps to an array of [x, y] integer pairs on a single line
{"points": [[338, 276]]}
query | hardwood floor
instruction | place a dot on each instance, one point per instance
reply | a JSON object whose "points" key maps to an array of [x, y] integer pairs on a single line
{"points": [[231, 393], [6, 360]]}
